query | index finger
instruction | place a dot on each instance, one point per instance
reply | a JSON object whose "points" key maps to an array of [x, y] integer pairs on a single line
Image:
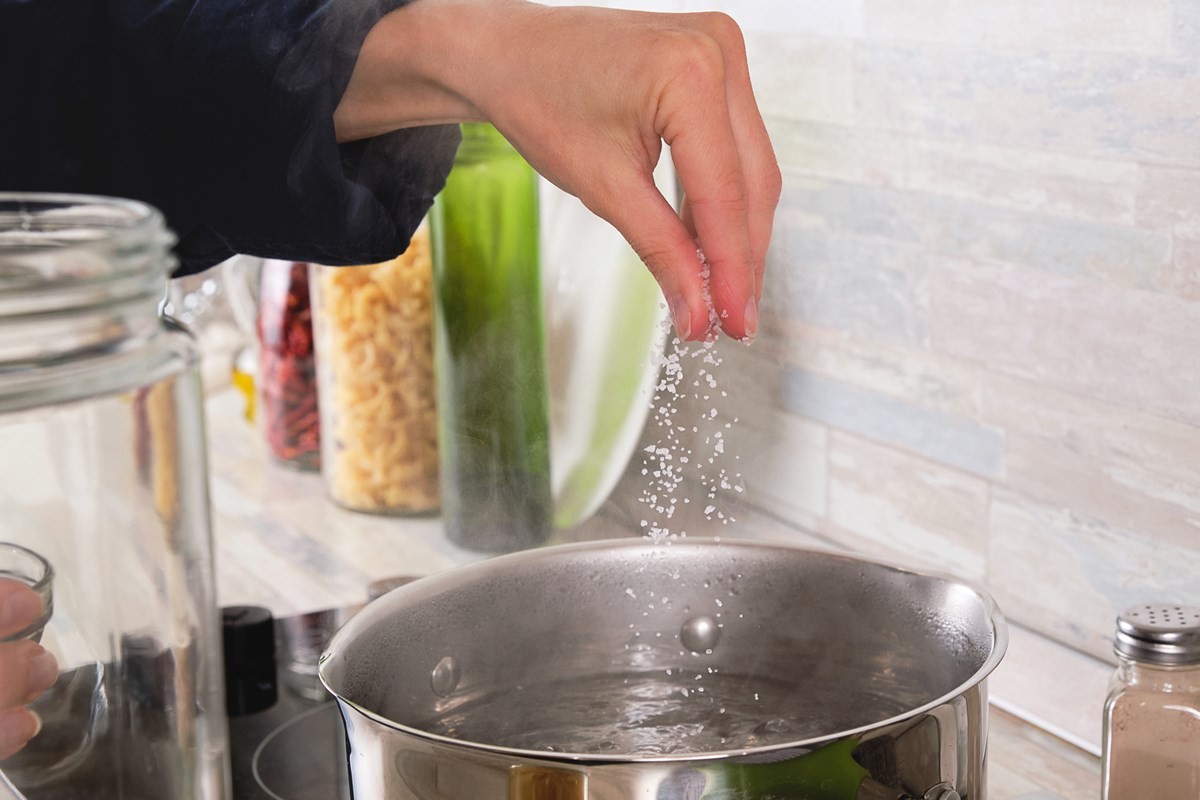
{"points": [[20, 607], [760, 169], [704, 149]]}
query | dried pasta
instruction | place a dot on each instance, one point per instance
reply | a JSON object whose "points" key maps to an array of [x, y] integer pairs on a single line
{"points": [[375, 325]]}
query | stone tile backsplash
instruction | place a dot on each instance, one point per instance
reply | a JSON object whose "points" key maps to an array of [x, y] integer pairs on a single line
{"points": [[980, 346]]}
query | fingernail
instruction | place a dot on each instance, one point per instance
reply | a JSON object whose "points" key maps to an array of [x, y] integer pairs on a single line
{"points": [[20, 610], [682, 314], [21, 726], [750, 319], [37, 723], [43, 671]]}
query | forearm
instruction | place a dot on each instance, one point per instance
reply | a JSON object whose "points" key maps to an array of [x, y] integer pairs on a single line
{"points": [[411, 70]]}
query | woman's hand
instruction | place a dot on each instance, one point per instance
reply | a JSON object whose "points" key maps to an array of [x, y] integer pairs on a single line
{"points": [[588, 96], [26, 668]]}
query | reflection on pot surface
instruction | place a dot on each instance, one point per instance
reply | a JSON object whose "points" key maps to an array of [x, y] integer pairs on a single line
{"points": [[582, 672]]}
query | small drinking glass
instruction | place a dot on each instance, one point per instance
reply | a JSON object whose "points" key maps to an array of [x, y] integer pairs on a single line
{"points": [[22, 564]]}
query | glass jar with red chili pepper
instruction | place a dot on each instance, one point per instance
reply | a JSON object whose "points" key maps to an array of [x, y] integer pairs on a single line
{"points": [[287, 366]]}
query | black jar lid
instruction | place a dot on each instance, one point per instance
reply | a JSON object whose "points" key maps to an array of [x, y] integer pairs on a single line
{"points": [[249, 639], [1160, 633]]}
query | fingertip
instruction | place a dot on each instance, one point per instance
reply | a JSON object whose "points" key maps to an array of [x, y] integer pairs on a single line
{"points": [[20, 606], [17, 727], [736, 309], [681, 315], [43, 671]]}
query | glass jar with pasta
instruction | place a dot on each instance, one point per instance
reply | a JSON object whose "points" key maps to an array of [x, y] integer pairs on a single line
{"points": [[374, 327]]}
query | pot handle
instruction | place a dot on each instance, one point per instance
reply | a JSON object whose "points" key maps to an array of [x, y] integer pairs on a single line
{"points": [[546, 783], [870, 789]]}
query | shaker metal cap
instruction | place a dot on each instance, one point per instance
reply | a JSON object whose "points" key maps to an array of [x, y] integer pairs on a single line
{"points": [[1160, 634]]}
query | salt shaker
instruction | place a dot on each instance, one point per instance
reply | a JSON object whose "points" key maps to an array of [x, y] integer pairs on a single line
{"points": [[1152, 715]]}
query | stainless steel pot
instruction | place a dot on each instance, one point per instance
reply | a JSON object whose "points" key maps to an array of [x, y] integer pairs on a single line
{"points": [[858, 680]]}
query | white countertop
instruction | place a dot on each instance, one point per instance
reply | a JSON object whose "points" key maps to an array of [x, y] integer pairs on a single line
{"points": [[281, 544]]}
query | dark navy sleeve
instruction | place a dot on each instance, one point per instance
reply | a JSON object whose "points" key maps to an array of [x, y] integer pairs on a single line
{"points": [[218, 112]]}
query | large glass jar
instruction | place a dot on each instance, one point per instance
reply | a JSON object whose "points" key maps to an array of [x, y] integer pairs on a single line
{"points": [[1152, 715], [102, 474], [491, 349], [375, 367]]}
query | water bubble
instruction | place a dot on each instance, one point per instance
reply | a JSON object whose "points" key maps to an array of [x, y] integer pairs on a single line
{"points": [[445, 676], [700, 634]]}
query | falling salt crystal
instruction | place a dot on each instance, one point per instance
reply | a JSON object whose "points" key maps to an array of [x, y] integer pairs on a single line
{"points": [[665, 462]]}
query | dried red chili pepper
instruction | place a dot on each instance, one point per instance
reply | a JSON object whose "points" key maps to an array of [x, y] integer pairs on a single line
{"points": [[287, 365]]}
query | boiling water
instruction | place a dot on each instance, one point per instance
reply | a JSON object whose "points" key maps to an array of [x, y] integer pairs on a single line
{"points": [[646, 714]]}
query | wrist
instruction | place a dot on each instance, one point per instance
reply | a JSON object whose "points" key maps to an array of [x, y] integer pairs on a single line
{"points": [[413, 69]]}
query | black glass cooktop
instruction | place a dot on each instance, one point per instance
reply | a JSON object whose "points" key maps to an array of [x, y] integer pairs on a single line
{"points": [[296, 751], [296, 748]]}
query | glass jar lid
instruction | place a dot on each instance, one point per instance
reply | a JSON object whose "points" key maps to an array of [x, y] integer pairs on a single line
{"points": [[1160, 634]]}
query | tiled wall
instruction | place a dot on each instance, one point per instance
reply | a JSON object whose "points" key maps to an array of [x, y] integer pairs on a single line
{"points": [[981, 343]]}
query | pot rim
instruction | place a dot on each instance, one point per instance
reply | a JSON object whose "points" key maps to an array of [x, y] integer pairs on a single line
{"points": [[463, 574]]}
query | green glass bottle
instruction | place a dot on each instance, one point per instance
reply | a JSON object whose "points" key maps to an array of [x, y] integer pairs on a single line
{"points": [[490, 349]]}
